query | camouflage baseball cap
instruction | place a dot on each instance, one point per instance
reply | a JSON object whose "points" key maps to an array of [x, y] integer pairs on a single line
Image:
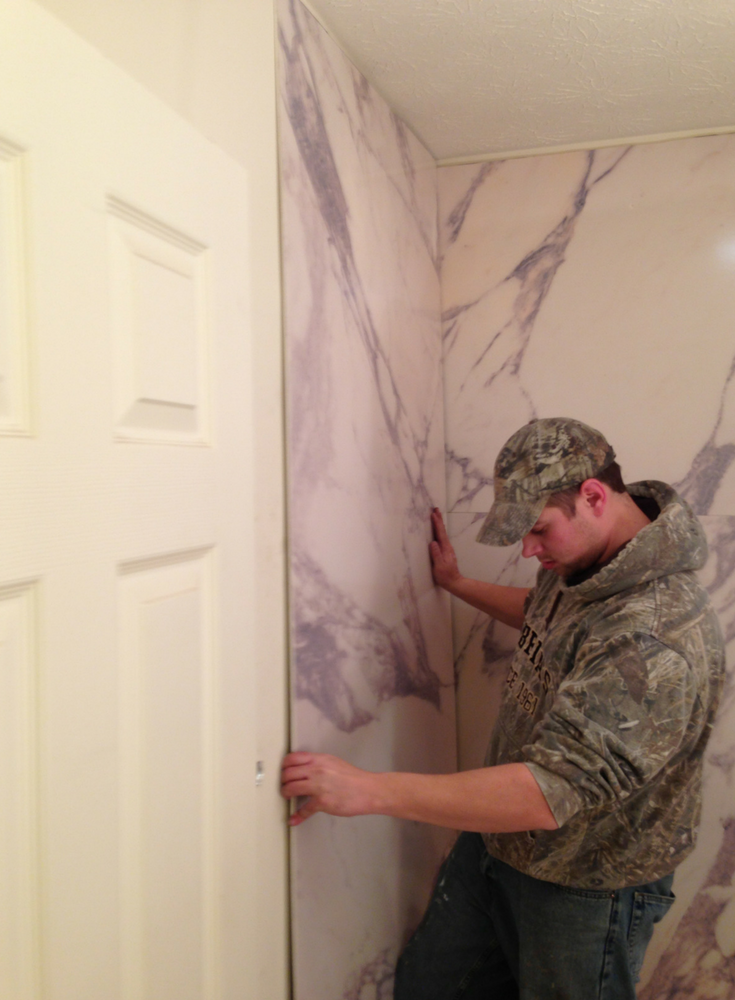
{"points": [[543, 457]]}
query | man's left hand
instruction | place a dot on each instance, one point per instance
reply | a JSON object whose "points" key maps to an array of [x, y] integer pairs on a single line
{"points": [[332, 786]]}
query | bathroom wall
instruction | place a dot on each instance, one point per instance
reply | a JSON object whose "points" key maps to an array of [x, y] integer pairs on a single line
{"points": [[601, 285], [372, 676]]}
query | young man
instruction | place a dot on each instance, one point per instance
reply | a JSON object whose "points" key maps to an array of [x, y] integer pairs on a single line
{"points": [[591, 791]]}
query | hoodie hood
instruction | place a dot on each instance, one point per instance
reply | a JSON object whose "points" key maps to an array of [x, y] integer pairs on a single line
{"points": [[674, 543]]}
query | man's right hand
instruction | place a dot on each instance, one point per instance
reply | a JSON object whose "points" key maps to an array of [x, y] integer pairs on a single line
{"points": [[496, 600], [444, 567]]}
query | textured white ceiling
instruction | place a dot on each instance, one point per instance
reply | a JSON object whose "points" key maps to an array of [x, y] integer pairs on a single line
{"points": [[474, 77]]}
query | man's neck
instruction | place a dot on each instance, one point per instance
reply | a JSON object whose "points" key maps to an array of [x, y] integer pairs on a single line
{"points": [[628, 519]]}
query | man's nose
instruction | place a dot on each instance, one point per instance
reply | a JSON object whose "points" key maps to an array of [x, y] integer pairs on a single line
{"points": [[531, 546]]}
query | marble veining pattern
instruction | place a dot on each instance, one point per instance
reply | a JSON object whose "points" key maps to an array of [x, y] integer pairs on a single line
{"points": [[500, 355], [601, 285], [693, 955], [371, 641]]}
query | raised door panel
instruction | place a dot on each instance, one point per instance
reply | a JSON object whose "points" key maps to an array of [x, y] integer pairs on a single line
{"points": [[161, 328], [168, 724]]}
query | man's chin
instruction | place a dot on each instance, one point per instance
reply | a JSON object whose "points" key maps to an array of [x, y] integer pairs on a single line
{"points": [[565, 570], [568, 572]]}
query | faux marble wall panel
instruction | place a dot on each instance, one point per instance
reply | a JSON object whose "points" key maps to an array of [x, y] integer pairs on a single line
{"points": [[601, 285], [371, 638]]}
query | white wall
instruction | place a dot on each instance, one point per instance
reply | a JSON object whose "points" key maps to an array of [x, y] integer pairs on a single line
{"points": [[213, 62]]}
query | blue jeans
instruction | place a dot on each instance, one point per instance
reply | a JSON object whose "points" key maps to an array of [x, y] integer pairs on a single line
{"points": [[492, 933]]}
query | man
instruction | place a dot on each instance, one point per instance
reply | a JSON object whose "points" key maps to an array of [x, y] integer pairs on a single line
{"points": [[590, 796]]}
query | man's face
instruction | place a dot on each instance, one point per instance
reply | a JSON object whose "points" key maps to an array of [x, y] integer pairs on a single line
{"points": [[562, 544]]}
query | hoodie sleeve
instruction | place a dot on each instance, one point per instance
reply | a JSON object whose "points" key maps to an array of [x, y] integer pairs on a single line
{"points": [[617, 719]]}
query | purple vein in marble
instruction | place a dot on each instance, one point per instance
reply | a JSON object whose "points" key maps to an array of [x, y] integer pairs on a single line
{"points": [[374, 981], [712, 461], [534, 274], [331, 631], [721, 590], [459, 212], [335, 640], [473, 479], [694, 965], [307, 120]]}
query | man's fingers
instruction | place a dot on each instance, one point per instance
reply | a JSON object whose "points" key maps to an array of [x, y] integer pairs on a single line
{"points": [[295, 781], [296, 775], [292, 789], [297, 757], [295, 765], [327, 783], [440, 531], [291, 771], [437, 522], [308, 809]]}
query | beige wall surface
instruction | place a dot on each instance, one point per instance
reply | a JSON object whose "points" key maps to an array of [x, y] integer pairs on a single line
{"points": [[213, 62], [601, 285]]}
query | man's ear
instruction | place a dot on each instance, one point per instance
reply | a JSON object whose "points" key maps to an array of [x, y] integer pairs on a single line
{"points": [[594, 496]]}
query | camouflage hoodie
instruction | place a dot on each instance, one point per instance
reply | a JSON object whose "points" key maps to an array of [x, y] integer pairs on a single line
{"points": [[610, 701]]}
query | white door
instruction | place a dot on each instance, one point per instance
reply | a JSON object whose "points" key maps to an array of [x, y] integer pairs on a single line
{"points": [[127, 753]]}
